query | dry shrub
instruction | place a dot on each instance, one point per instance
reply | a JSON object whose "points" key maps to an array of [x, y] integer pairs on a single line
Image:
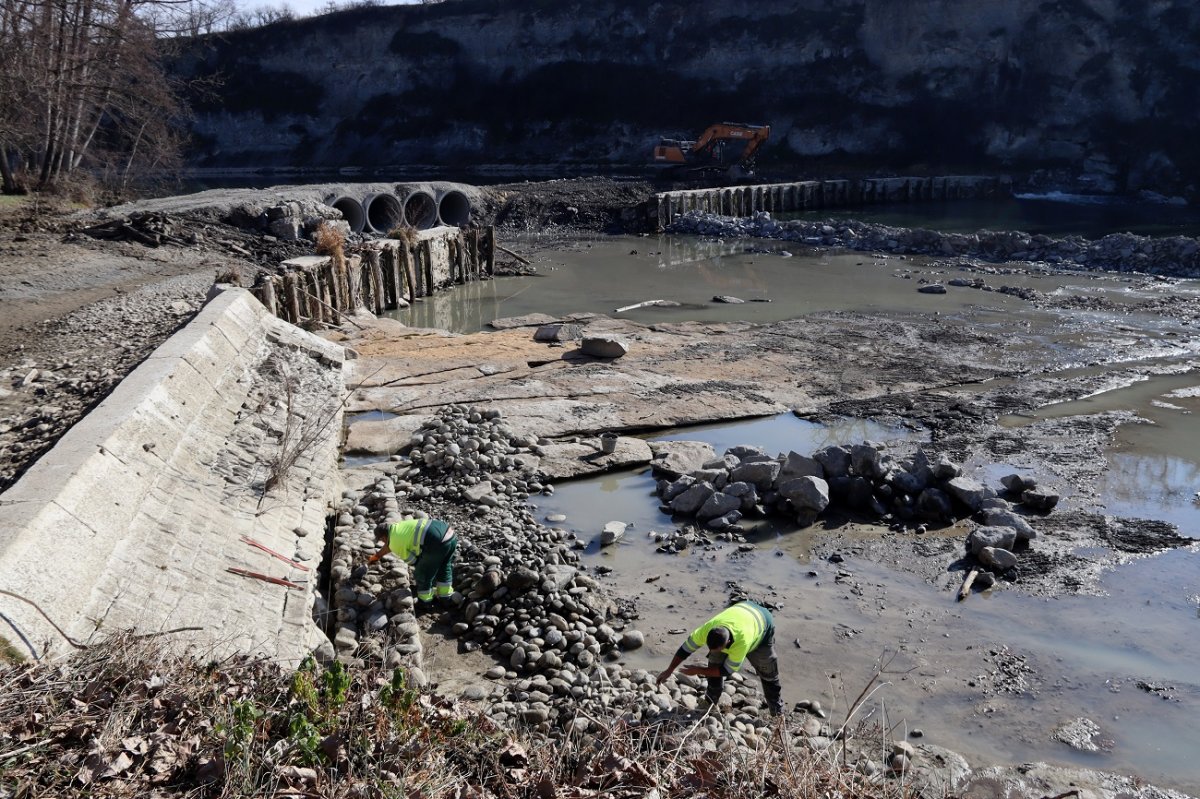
{"points": [[231, 275], [131, 716], [404, 233], [330, 241]]}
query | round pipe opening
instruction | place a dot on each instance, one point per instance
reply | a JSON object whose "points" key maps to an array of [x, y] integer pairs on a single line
{"points": [[454, 208], [352, 212], [384, 213], [420, 210]]}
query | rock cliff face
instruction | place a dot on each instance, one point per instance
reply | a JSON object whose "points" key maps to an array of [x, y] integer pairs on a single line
{"points": [[1102, 93]]}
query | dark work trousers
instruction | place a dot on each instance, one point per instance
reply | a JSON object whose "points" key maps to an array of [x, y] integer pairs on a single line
{"points": [[764, 661], [434, 564]]}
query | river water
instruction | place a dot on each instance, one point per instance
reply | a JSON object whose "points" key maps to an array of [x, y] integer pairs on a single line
{"points": [[1087, 654]]}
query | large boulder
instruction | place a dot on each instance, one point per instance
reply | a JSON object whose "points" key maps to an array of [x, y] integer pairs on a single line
{"points": [[1040, 501], [558, 331], [797, 465], [1016, 483], [935, 505], [692, 499], [761, 473], [677, 487], [745, 451], [999, 559], [905, 482], [612, 533], [865, 460], [856, 493], [995, 537], [834, 460], [675, 458], [603, 346], [806, 493], [969, 492], [747, 493], [718, 504], [1008, 518]]}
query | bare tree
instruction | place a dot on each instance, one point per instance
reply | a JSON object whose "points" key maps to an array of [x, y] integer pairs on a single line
{"points": [[83, 91]]}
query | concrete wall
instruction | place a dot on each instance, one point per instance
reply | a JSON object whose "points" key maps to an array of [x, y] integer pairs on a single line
{"points": [[134, 517]]}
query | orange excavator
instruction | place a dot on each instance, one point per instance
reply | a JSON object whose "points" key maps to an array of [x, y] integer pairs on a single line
{"points": [[724, 147]]}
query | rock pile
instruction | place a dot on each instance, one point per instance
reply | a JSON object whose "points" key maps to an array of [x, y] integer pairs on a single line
{"points": [[556, 635], [1175, 256], [864, 479]]}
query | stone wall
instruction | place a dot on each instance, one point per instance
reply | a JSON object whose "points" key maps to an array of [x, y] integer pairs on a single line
{"points": [[228, 431]]}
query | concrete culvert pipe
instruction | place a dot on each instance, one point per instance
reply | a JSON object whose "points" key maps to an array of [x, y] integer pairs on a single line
{"points": [[420, 210], [454, 208], [352, 212], [384, 213]]}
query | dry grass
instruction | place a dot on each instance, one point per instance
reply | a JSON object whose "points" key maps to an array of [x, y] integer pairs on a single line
{"points": [[332, 242], [127, 718], [404, 233], [8, 652], [231, 275]]}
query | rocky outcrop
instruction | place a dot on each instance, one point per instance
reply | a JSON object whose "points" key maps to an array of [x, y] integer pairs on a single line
{"points": [[1095, 92]]}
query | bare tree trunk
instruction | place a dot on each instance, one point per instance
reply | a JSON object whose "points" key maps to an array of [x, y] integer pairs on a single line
{"points": [[9, 182]]}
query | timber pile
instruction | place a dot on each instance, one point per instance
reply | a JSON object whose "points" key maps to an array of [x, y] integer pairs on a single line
{"points": [[385, 275], [150, 229]]}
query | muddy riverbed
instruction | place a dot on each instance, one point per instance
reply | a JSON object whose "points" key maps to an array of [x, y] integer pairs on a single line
{"points": [[1085, 381]]}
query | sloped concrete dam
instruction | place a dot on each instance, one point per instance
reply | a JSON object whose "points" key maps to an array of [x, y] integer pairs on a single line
{"points": [[221, 446]]}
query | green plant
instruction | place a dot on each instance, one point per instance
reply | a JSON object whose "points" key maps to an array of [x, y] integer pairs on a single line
{"points": [[396, 695], [335, 685], [239, 732], [305, 738]]}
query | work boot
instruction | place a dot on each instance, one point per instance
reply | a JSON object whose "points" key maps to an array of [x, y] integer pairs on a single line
{"points": [[424, 608]]}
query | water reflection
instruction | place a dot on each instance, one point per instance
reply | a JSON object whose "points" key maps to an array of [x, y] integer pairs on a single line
{"points": [[1153, 464]]}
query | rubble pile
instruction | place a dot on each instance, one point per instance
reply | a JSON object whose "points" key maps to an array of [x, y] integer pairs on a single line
{"points": [[1173, 256], [555, 633], [863, 479]]}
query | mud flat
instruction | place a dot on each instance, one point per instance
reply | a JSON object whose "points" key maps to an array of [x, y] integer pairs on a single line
{"points": [[958, 380]]}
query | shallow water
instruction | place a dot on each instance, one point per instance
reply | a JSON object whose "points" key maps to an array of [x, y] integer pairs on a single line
{"points": [[1154, 465], [1085, 653], [605, 274]]}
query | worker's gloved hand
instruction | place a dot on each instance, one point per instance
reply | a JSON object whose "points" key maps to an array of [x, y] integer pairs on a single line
{"points": [[375, 557], [662, 678]]}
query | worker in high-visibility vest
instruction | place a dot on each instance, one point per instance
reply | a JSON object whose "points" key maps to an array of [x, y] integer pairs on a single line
{"points": [[428, 545], [741, 632]]}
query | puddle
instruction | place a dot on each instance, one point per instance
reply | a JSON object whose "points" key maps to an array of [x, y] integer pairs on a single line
{"points": [[369, 416], [629, 496]]}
